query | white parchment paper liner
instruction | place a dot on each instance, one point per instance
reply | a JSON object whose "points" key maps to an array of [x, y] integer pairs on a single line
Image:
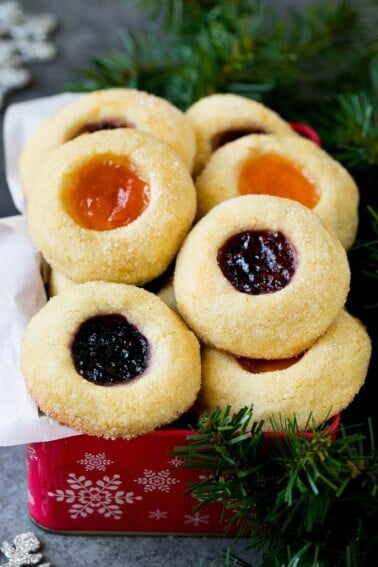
{"points": [[19, 122], [22, 291]]}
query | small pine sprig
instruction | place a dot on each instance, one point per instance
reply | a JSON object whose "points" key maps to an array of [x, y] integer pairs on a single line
{"points": [[348, 126], [309, 493], [354, 136], [229, 560], [227, 445]]}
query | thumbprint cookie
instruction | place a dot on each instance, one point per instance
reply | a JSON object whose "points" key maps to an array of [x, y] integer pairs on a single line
{"points": [[319, 382], [218, 119], [294, 168], [110, 360], [103, 110], [113, 206], [261, 277]]}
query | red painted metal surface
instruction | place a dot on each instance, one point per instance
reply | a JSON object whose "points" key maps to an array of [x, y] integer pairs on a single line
{"points": [[90, 484]]}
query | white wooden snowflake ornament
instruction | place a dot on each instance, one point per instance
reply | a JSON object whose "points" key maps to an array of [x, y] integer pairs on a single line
{"points": [[23, 40], [23, 551]]}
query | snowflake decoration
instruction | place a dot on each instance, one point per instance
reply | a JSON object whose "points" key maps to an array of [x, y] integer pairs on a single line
{"points": [[157, 514], [95, 462], [161, 481], [196, 519], [23, 40], [176, 462], [22, 551], [104, 496]]}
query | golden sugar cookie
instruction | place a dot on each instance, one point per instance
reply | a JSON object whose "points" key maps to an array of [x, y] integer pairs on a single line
{"points": [[319, 382], [56, 283], [220, 118], [261, 277], [110, 360], [113, 205], [102, 110], [294, 168]]}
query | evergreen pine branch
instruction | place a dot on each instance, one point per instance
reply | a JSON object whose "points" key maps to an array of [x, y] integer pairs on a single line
{"points": [[348, 126], [317, 493], [229, 47], [137, 65]]}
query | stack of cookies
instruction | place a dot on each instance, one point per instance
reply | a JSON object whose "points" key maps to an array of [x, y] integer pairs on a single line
{"points": [[253, 220], [109, 203], [263, 283], [278, 214]]}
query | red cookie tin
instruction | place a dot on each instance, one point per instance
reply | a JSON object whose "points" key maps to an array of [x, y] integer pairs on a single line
{"points": [[89, 484]]}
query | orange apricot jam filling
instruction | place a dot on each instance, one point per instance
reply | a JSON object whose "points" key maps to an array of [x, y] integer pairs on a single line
{"points": [[259, 365], [272, 174], [105, 193]]}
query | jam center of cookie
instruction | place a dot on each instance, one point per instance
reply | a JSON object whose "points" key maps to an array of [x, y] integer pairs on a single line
{"points": [[105, 193], [257, 262], [108, 350], [272, 174], [223, 138], [260, 365], [105, 124]]}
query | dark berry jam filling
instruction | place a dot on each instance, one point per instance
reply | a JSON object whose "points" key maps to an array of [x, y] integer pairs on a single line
{"points": [[223, 138], [108, 350], [105, 124], [257, 262], [259, 365]]}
